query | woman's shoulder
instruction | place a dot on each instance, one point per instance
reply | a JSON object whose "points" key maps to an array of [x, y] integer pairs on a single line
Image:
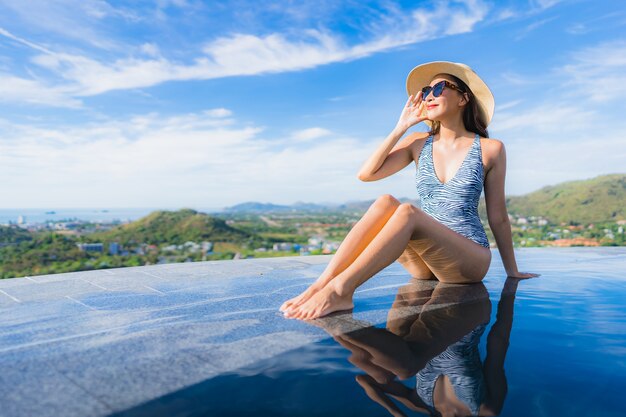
{"points": [[491, 145], [491, 142], [492, 149]]}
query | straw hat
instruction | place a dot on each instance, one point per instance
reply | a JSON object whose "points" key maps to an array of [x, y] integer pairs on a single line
{"points": [[421, 76]]}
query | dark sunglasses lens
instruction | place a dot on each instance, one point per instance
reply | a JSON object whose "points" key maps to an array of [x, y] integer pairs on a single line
{"points": [[438, 89]]}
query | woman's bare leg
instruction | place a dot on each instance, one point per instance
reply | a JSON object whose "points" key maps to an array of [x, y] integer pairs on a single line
{"points": [[414, 264], [354, 243], [451, 257]]}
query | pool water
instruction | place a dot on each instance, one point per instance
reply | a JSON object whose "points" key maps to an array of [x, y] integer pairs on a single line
{"points": [[554, 345]]}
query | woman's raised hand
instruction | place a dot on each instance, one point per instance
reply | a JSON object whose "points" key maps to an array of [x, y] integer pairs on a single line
{"points": [[411, 113]]}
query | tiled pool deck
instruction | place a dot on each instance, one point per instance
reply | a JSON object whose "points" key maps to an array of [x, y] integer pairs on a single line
{"points": [[104, 342]]}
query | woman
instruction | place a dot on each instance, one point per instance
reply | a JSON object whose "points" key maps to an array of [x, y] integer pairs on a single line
{"points": [[445, 239]]}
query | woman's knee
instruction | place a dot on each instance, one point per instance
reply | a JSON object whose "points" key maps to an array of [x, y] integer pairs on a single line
{"points": [[386, 202], [408, 210]]}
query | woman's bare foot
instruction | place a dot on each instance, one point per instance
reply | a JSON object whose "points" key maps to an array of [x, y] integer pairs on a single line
{"points": [[306, 294], [323, 302], [303, 297]]}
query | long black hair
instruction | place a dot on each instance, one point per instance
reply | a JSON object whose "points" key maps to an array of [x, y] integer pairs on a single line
{"points": [[472, 118]]}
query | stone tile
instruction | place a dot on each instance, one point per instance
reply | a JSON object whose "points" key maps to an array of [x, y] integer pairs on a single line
{"points": [[51, 290], [15, 282], [97, 342], [126, 368], [34, 388], [69, 276], [229, 357], [7, 300], [27, 313]]}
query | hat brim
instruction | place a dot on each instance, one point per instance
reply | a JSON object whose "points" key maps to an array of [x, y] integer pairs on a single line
{"points": [[421, 75]]}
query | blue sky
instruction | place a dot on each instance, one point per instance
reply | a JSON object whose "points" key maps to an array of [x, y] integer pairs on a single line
{"points": [[184, 103]]}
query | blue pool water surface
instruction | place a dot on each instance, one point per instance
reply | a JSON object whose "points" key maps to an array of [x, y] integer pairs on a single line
{"points": [[558, 346], [207, 339]]}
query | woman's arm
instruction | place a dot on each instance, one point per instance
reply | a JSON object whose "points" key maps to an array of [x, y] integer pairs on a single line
{"points": [[382, 163], [497, 214], [386, 160]]}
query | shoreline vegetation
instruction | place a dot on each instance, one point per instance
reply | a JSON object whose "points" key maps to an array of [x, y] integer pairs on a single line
{"points": [[577, 213]]}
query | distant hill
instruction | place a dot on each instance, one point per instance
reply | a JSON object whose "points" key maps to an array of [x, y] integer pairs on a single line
{"points": [[254, 207], [173, 227], [362, 206], [301, 207], [599, 199], [13, 234]]}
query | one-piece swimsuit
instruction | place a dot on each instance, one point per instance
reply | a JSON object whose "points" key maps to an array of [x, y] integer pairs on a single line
{"points": [[454, 203]]}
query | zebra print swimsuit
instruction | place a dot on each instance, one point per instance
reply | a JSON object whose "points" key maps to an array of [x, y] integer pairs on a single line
{"points": [[454, 203], [461, 363]]}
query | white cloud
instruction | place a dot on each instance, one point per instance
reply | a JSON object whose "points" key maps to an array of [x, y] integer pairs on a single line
{"points": [[464, 22], [559, 136], [517, 79], [604, 22], [246, 54], [534, 161], [221, 112], [532, 26], [577, 29], [73, 19], [306, 135], [505, 14], [508, 105], [544, 4], [551, 117], [150, 49], [199, 159], [21, 90], [596, 73]]}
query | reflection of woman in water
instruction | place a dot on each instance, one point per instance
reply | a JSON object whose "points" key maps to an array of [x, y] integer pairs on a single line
{"points": [[433, 334], [444, 239]]}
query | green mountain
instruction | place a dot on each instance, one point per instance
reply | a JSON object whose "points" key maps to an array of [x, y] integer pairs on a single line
{"points": [[262, 208], [13, 235], [599, 199], [173, 227], [362, 206]]}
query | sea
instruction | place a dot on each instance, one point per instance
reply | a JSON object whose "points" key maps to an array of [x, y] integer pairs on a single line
{"points": [[43, 215]]}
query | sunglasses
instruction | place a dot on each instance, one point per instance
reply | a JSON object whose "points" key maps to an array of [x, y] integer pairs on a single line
{"points": [[437, 89]]}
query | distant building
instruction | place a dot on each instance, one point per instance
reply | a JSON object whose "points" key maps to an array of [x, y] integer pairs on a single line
{"points": [[191, 246], [114, 248], [90, 247], [21, 219], [282, 246], [330, 246]]}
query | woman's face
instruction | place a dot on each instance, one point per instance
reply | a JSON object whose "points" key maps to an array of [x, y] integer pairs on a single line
{"points": [[446, 105]]}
